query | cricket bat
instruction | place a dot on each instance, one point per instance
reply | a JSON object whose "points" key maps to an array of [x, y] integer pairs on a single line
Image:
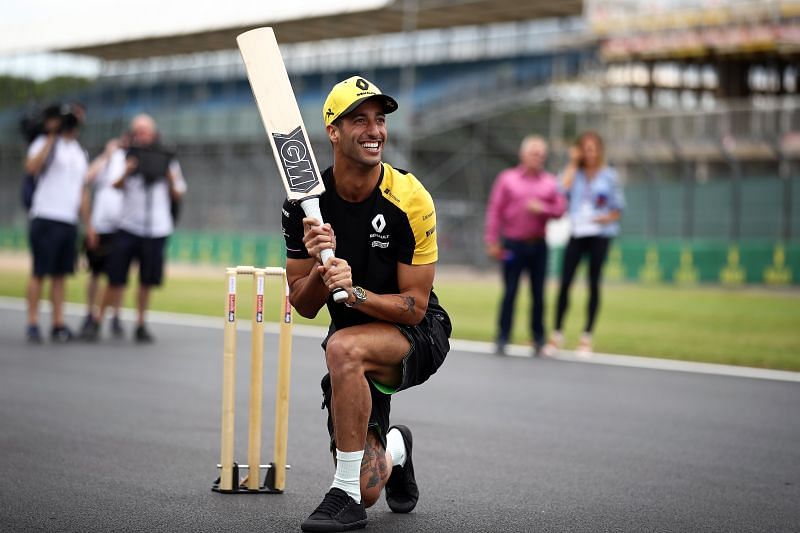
{"points": [[284, 124]]}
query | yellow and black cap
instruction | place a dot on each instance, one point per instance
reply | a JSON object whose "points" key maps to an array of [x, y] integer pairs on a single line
{"points": [[349, 94]]}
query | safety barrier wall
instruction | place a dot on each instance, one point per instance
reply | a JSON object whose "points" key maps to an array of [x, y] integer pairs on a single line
{"points": [[694, 262], [226, 249], [631, 260]]}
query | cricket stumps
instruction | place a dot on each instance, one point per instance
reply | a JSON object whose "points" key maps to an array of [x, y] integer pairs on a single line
{"points": [[274, 482]]}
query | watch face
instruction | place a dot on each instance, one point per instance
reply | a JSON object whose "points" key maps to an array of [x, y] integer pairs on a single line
{"points": [[359, 293]]}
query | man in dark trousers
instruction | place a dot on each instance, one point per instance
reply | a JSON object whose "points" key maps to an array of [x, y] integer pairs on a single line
{"points": [[391, 334], [522, 200]]}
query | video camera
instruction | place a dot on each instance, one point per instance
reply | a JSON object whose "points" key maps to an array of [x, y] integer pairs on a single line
{"points": [[32, 124]]}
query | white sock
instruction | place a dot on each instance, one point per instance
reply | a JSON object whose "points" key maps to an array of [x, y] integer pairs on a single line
{"points": [[348, 473], [396, 447]]}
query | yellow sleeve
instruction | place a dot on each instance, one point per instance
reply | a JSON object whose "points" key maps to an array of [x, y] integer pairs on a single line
{"points": [[422, 218]]}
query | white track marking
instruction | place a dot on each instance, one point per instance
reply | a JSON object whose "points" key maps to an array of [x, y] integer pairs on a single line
{"points": [[318, 332]]}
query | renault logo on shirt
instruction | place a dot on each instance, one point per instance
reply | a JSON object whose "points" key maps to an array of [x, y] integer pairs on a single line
{"points": [[380, 240], [379, 223]]}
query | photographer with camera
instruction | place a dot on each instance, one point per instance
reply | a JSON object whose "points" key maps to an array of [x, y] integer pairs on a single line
{"points": [[59, 164], [151, 181]]}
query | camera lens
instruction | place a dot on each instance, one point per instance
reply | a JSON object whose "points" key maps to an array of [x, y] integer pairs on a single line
{"points": [[69, 122]]}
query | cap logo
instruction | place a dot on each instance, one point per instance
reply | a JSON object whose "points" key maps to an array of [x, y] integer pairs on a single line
{"points": [[348, 94]]}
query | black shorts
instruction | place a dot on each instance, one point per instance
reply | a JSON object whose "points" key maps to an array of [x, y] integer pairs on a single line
{"points": [[429, 347], [148, 252], [100, 255], [53, 246]]}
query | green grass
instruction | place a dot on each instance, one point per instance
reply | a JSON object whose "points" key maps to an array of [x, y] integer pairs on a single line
{"points": [[714, 325], [750, 327]]}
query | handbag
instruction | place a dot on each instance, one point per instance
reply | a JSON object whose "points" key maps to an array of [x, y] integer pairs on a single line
{"points": [[27, 190], [29, 181]]}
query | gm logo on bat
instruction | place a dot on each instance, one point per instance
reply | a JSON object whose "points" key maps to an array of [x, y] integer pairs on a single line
{"points": [[296, 160]]}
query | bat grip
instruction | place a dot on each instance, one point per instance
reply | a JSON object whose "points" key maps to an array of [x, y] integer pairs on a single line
{"points": [[311, 209], [339, 294]]}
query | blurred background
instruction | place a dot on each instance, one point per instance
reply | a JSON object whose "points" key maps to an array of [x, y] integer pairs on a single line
{"points": [[698, 102]]}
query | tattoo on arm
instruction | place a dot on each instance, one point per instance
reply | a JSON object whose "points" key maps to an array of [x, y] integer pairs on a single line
{"points": [[407, 303]]}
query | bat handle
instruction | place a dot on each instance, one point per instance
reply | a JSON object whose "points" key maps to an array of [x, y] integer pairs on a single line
{"points": [[339, 295], [311, 209]]}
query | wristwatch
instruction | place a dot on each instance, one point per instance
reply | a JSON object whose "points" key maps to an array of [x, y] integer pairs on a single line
{"points": [[360, 294]]}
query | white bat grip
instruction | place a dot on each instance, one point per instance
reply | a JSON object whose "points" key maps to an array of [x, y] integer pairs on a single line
{"points": [[311, 209]]}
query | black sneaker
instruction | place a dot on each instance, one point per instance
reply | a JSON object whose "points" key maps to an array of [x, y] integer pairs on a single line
{"points": [[143, 336], [90, 331], [33, 335], [117, 331], [61, 334], [337, 512], [401, 489]]}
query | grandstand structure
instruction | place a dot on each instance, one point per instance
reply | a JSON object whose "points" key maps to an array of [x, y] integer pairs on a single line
{"points": [[704, 130], [708, 132]]}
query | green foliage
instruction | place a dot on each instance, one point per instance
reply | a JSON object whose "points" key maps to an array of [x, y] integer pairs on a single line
{"points": [[22, 91]]}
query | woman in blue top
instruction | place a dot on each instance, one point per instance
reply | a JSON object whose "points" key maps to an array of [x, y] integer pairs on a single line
{"points": [[596, 202]]}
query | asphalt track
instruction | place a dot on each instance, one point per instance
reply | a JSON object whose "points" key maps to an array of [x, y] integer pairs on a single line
{"points": [[119, 437]]}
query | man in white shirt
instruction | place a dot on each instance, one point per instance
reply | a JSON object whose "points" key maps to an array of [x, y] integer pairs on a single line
{"points": [[59, 162], [146, 218], [106, 207]]}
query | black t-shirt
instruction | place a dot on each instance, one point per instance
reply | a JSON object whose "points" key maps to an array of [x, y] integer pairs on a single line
{"points": [[396, 223]]}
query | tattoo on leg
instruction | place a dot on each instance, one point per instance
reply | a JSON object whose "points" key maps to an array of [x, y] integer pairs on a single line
{"points": [[374, 463], [368, 467]]}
